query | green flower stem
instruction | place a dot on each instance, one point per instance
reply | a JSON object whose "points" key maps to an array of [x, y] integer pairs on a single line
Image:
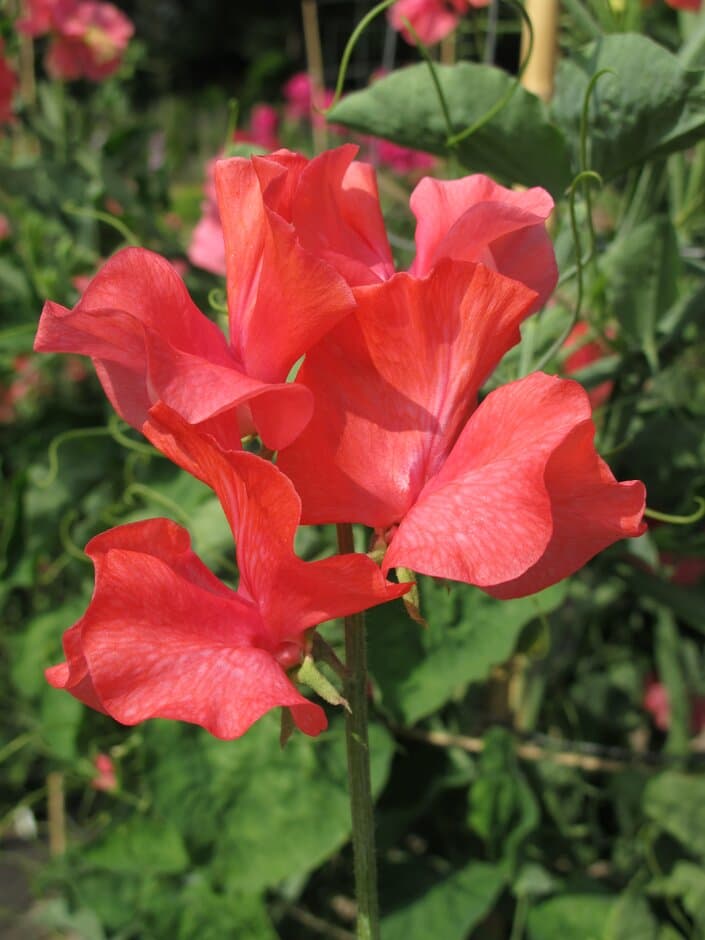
{"points": [[359, 781]]}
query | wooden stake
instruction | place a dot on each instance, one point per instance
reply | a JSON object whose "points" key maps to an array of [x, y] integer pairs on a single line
{"points": [[56, 813], [314, 60], [538, 75]]}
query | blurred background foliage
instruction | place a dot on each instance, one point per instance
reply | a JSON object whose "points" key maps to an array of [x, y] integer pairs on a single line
{"points": [[538, 762]]}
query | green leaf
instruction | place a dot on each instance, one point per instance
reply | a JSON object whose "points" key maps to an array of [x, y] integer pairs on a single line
{"points": [[676, 801], [418, 670], [503, 809], [39, 646], [641, 269], [670, 669], [263, 813], [61, 717], [291, 810], [210, 916], [635, 113], [519, 144], [631, 919], [150, 846], [574, 916], [686, 882], [688, 604], [449, 907]]}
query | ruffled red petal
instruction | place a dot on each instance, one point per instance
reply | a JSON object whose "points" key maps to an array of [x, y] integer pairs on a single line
{"points": [[393, 387], [476, 219], [523, 499]]}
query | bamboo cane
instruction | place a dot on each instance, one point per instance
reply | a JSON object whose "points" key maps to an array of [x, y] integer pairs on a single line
{"points": [[538, 74], [314, 59]]}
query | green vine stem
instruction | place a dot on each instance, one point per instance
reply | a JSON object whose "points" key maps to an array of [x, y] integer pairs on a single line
{"points": [[350, 47], [678, 520], [359, 781]]}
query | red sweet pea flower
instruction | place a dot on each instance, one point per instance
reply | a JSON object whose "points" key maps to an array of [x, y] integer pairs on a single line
{"points": [[692, 5], [105, 777], [294, 232], [88, 38], [163, 637], [8, 84], [333, 204], [510, 495], [431, 20]]}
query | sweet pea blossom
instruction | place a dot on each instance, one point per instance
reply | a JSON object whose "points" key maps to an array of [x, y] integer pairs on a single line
{"points": [[163, 637], [510, 494], [88, 38], [692, 5], [105, 777], [657, 702], [431, 20], [8, 85], [262, 127], [296, 233], [302, 101]]}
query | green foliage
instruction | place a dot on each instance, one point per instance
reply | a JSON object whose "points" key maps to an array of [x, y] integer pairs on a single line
{"points": [[524, 790], [468, 633], [404, 107], [635, 114], [447, 905]]}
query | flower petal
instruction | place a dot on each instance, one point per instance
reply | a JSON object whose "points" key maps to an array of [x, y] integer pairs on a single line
{"points": [[149, 341], [162, 637], [523, 500], [394, 385], [263, 509], [476, 219], [282, 299], [338, 217]]}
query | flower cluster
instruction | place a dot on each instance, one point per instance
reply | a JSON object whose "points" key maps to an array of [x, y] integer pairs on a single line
{"points": [[383, 425], [8, 86], [88, 38], [430, 20]]}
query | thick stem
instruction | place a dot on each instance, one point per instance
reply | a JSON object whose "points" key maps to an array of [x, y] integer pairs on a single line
{"points": [[359, 782]]}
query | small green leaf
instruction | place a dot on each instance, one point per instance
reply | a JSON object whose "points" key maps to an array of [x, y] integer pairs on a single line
{"points": [[631, 919], [676, 801], [641, 269], [140, 844], [503, 809], [574, 916], [449, 907]]}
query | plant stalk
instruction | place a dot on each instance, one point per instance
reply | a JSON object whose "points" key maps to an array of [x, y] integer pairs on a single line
{"points": [[359, 780]]}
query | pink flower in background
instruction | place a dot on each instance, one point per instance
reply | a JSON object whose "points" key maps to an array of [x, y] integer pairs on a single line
{"points": [[692, 5], [657, 703], [8, 84], [27, 379], [5, 228], [431, 20], [105, 778], [41, 16], [301, 101], [582, 351], [88, 38], [402, 159], [297, 93], [207, 249], [262, 128]]}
